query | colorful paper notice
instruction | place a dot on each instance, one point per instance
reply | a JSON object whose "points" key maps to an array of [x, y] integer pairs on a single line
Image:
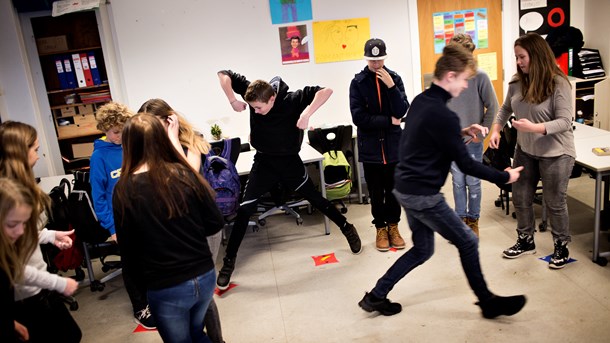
{"points": [[472, 22]]}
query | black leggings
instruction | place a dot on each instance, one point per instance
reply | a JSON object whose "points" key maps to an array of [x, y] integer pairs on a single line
{"points": [[47, 318]]}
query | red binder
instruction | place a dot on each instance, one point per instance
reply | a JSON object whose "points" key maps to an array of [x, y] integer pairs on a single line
{"points": [[85, 62]]}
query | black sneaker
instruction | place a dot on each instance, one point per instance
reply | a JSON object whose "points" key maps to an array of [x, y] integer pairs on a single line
{"points": [[561, 255], [501, 306], [144, 318], [349, 231], [370, 303], [525, 245], [224, 276]]}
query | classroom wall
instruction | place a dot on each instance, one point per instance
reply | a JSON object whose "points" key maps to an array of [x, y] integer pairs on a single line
{"points": [[174, 51]]}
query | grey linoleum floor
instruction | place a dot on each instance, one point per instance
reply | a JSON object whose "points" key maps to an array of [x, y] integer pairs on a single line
{"points": [[282, 297]]}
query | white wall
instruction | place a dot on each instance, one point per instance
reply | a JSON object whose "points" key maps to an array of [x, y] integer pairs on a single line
{"points": [[174, 52]]}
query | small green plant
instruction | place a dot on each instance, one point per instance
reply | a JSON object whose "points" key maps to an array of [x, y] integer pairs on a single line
{"points": [[216, 132]]}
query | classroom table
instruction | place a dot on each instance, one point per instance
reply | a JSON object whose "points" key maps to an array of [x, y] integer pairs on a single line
{"points": [[585, 139]]}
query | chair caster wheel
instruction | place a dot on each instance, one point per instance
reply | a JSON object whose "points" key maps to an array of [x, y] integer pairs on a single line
{"points": [[602, 261], [343, 210], [74, 306], [262, 222], [105, 269], [97, 286], [299, 221], [79, 274], [514, 215]]}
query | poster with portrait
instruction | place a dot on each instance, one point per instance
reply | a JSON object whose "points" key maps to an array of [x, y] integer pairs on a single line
{"points": [[340, 40], [293, 44]]}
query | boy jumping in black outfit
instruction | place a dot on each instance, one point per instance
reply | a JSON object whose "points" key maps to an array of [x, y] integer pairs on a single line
{"points": [[277, 118]]}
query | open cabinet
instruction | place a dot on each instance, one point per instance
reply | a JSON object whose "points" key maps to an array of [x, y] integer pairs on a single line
{"points": [[75, 77]]}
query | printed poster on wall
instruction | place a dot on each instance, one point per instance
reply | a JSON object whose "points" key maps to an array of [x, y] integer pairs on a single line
{"points": [[289, 11], [293, 44], [542, 16], [340, 40], [472, 22]]}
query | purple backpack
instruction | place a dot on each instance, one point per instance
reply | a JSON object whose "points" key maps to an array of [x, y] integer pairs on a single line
{"points": [[222, 176]]}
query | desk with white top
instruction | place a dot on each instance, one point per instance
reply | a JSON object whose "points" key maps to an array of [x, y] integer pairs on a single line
{"points": [[307, 154], [585, 139]]}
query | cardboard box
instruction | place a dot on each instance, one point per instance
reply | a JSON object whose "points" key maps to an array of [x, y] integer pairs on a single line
{"points": [[85, 119], [53, 44], [82, 150], [85, 109], [68, 111]]}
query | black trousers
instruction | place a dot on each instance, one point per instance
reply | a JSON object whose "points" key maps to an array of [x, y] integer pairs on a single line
{"points": [[380, 183], [47, 318], [267, 171], [135, 289]]}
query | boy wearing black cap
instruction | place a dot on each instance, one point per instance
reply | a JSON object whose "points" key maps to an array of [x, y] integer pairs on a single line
{"points": [[378, 102], [277, 120]]}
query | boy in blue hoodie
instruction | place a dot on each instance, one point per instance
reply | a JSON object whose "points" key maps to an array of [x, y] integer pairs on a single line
{"points": [[106, 163]]}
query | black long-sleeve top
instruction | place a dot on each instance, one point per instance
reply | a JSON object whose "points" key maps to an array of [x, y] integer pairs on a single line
{"points": [[431, 140], [164, 252]]}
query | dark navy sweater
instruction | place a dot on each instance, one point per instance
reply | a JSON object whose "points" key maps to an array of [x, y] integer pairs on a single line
{"points": [[431, 140]]}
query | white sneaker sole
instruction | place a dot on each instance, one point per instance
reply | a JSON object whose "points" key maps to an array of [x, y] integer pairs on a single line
{"points": [[529, 252]]}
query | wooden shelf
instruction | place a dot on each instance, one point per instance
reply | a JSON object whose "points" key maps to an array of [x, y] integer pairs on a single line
{"points": [[79, 89], [70, 51]]}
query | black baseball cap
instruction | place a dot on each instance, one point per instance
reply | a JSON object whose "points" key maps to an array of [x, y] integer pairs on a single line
{"points": [[374, 49]]}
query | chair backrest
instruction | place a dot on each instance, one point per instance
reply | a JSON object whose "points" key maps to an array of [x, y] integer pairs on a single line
{"points": [[83, 217], [332, 138]]}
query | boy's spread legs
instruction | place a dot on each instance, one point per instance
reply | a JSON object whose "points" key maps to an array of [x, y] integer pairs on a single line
{"points": [[266, 172], [426, 215]]}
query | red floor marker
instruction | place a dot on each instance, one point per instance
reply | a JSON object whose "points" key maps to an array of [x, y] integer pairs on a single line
{"points": [[140, 328], [219, 292], [325, 259]]}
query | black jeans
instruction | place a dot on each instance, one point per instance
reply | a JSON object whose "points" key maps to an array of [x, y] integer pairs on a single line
{"points": [[267, 171], [380, 183], [47, 318]]}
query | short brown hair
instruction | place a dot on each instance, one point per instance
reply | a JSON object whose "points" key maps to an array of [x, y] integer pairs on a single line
{"points": [[259, 90], [465, 40], [455, 58], [112, 115]]}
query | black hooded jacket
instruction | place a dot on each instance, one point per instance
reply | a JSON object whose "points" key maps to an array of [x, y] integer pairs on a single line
{"points": [[276, 133]]}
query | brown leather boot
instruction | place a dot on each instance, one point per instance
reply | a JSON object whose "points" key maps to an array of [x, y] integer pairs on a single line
{"points": [[396, 240], [382, 242], [473, 224]]}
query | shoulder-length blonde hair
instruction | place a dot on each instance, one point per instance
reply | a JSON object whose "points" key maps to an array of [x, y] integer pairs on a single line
{"points": [[16, 140], [538, 84], [188, 136], [14, 255]]}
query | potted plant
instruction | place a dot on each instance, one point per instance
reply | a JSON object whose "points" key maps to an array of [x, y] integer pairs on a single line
{"points": [[216, 132]]}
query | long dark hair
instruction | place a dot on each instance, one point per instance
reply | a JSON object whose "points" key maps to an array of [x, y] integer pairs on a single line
{"points": [[538, 84], [145, 142]]}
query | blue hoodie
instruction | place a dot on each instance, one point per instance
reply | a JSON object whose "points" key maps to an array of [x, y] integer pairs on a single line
{"points": [[105, 171]]}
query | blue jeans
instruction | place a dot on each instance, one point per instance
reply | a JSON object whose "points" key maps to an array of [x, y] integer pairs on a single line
{"points": [[426, 215], [555, 174], [179, 310], [466, 188]]}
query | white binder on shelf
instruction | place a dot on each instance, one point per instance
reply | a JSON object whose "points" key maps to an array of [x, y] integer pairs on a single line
{"points": [[78, 70]]}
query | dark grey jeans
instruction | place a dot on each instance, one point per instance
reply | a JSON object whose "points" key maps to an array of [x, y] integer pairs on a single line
{"points": [[555, 174]]}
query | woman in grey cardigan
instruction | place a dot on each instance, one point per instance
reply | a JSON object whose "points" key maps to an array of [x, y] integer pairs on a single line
{"points": [[540, 97]]}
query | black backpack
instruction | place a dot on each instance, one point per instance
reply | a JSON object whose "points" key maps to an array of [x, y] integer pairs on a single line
{"points": [[59, 218]]}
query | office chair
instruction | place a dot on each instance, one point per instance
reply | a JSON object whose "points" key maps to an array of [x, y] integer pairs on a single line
{"points": [[91, 234], [337, 175], [281, 201]]}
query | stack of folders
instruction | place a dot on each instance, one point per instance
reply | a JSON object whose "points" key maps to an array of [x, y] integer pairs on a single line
{"points": [[591, 63], [77, 70], [95, 97]]}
